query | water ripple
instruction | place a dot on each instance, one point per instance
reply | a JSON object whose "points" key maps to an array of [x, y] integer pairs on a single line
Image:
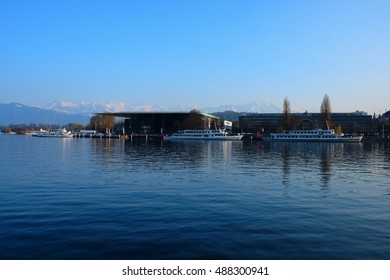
{"points": [[111, 199]]}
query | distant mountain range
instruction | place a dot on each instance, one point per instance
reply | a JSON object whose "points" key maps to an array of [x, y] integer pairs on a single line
{"points": [[84, 108], [67, 112], [15, 113], [261, 106], [89, 108]]}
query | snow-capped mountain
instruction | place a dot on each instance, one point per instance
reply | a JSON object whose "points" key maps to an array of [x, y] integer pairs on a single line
{"points": [[89, 108], [85, 108], [68, 112], [260, 106], [148, 108]]}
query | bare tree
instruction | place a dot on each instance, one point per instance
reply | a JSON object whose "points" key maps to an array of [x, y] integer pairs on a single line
{"points": [[287, 116], [102, 122], [326, 112], [76, 126]]}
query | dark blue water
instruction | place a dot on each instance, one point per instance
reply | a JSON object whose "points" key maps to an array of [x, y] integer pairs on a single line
{"points": [[115, 199]]}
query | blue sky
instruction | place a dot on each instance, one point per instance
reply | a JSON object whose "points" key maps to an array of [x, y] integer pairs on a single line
{"points": [[195, 52]]}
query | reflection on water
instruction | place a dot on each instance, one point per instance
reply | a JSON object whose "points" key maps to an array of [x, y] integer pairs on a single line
{"points": [[308, 155], [253, 157], [122, 199]]}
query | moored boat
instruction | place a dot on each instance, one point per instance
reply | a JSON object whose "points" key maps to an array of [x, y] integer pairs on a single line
{"points": [[200, 134], [60, 133], [315, 135]]}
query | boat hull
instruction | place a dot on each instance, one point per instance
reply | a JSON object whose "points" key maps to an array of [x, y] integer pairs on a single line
{"points": [[356, 139], [61, 133], [53, 136], [204, 138], [200, 134]]}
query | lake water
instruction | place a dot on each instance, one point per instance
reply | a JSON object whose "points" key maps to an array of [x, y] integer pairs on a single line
{"points": [[123, 199]]}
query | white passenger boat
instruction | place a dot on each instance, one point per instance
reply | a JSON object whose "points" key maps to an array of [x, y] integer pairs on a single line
{"points": [[315, 135], [60, 133], [193, 134]]}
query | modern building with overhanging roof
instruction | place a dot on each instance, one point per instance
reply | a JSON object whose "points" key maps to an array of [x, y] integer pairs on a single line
{"points": [[150, 123]]}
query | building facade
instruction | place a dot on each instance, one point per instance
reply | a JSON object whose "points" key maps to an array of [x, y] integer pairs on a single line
{"points": [[154, 123], [356, 122]]}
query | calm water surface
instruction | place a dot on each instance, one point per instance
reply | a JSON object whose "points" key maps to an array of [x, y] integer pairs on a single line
{"points": [[115, 199]]}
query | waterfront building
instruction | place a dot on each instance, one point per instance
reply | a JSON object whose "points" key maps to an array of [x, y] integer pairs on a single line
{"points": [[355, 122], [385, 118], [383, 125], [153, 123]]}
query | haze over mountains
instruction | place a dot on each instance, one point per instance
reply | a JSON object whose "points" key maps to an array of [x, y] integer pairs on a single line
{"points": [[94, 107], [84, 108], [15, 113], [63, 112]]}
